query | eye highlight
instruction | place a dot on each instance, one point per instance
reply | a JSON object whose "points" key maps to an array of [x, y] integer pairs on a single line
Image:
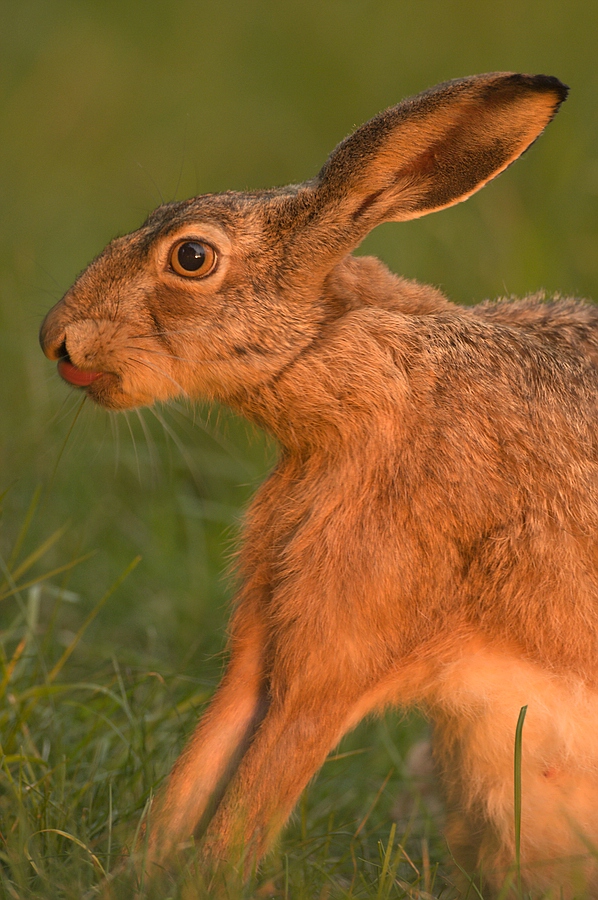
{"points": [[193, 259]]}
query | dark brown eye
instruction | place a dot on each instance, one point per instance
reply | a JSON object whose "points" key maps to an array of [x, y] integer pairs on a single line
{"points": [[193, 259]]}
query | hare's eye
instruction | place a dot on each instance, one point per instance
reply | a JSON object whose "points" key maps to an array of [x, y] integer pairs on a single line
{"points": [[193, 259]]}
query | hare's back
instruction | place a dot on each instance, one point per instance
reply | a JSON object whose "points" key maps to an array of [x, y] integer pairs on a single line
{"points": [[560, 321]]}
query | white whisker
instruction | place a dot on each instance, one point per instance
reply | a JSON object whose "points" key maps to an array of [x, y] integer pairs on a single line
{"points": [[179, 445], [128, 421], [116, 439], [66, 408], [162, 353], [151, 444], [215, 433], [168, 332], [161, 372]]}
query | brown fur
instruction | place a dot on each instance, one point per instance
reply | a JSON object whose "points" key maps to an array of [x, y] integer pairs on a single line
{"points": [[429, 533]]}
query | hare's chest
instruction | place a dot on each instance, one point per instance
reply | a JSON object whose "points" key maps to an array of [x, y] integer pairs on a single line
{"points": [[337, 556], [327, 521]]}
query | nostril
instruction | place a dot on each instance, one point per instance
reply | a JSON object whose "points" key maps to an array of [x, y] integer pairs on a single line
{"points": [[52, 341]]}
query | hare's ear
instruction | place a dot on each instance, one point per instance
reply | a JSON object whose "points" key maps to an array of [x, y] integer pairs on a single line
{"points": [[433, 150]]}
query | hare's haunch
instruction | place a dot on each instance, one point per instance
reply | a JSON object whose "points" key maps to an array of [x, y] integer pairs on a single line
{"points": [[429, 535]]}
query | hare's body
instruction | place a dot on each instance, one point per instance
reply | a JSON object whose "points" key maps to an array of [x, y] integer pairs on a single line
{"points": [[429, 535], [460, 576]]}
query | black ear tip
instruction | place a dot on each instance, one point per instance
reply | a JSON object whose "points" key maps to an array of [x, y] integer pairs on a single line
{"points": [[548, 84], [508, 86], [552, 83]]}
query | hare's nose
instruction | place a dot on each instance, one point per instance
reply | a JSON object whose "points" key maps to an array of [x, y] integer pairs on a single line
{"points": [[52, 337]]}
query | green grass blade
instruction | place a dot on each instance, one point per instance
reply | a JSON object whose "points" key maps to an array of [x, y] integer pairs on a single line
{"points": [[25, 527], [57, 668], [517, 789], [33, 557], [47, 575], [386, 863]]}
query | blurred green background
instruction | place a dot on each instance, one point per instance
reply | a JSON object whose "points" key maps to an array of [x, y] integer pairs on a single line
{"points": [[108, 106]]}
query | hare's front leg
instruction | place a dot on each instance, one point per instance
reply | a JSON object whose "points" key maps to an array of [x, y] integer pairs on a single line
{"points": [[305, 720], [203, 770]]}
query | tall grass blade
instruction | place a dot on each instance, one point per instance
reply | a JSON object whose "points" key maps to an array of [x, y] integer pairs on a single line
{"points": [[517, 788], [16, 589], [382, 891], [12, 577], [57, 668], [24, 527], [69, 837], [363, 822]]}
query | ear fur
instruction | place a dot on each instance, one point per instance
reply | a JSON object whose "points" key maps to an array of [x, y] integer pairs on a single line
{"points": [[435, 149]]}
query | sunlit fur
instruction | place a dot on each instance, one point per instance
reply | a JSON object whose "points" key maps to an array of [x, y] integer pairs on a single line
{"points": [[429, 534]]}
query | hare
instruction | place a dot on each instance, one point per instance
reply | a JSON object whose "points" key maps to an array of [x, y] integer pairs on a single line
{"points": [[429, 534]]}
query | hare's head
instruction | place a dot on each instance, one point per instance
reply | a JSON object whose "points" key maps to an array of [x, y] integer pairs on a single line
{"points": [[215, 295]]}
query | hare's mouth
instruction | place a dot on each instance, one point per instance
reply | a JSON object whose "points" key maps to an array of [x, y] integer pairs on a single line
{"points": [[73, 374]]}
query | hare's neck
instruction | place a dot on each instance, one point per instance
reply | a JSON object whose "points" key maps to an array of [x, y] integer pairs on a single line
{"points": [[359, 373], [343, 393]]}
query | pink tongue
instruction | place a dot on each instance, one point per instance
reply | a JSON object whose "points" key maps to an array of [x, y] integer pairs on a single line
{"points": [[76, 376]]}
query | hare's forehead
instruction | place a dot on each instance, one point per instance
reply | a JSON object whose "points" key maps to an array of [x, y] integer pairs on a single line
{"points": [[238, 226], [235, 213]]}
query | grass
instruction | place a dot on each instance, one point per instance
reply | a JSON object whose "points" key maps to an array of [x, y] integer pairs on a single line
{"points": [[517, 791]]}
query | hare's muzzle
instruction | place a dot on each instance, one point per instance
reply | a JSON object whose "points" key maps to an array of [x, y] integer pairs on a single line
{"points": [[52, 338]]}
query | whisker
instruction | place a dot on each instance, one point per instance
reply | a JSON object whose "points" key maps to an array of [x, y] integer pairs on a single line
{"points": [[189, 422], [151, 445], [116, 441], [52, 479], [114, 316], [214, 434], [178, 184], [167, 332], [163, 353], [152, 179], [128, 421], [157, 369], [66, 408], [30, 258], [193, 360], [179, 445]]}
